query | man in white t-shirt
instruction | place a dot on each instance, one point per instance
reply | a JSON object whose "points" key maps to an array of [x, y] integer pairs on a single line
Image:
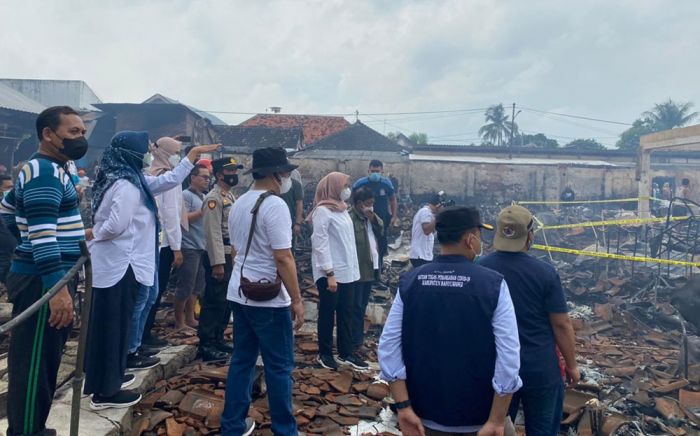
{"points": [[423, 232], [263, 327]]}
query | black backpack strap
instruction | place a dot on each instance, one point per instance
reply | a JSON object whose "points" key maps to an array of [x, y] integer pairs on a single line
{"points": [[254, 211]]}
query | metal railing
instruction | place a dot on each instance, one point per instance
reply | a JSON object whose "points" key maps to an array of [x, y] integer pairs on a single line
{"points": [[77, 383]]}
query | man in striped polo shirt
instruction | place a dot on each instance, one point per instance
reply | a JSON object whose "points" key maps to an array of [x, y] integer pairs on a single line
{"points": [[45, 205]]}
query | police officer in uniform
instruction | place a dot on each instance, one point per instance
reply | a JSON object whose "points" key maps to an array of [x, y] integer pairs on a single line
{"points": [[215, 312]]}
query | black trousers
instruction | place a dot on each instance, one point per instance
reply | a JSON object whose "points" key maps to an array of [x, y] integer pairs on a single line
{"points": [[215, 309], [108, 335], [5, 261], [361, 300], [418, 262], [164, 269], [34, 358], [335, 306]]}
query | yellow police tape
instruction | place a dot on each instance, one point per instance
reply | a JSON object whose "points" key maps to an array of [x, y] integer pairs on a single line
{"points": [[614, 256], [620, 222], [615, 200]]}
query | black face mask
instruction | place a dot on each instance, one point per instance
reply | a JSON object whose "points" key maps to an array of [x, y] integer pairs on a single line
{"points": [[231, 179], [74, 148]]}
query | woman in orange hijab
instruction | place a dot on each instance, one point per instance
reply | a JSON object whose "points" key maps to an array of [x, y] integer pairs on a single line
{"points": [[335, 269]]}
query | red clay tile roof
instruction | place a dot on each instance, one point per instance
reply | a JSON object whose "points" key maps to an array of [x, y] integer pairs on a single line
{"points": [[356, 137], [315, 126]]}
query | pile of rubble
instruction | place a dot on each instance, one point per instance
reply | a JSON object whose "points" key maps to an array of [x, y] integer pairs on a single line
{"points": [[324, 401], [639, 378], [635, 325]]}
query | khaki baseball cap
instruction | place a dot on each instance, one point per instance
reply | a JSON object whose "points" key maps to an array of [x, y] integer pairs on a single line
{"points": [[512, 226]]}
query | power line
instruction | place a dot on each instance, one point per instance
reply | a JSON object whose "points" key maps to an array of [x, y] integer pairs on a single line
{"points": [[425, 112], [422, 118], [573, 123], [574, 116], [348, 114], [403, 130], [435, 112]]}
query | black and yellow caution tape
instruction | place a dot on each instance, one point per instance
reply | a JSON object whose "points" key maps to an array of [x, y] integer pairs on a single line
{"points": [[614, 200], [619, 222], [604, 255]]}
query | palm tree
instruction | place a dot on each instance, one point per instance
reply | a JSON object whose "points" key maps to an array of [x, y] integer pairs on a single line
{"points": [[670, 114], [497, 125]]}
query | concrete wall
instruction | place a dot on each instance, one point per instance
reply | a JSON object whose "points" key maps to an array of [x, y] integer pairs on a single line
{"points": [[313, 170], [502, 183], [494, 183]]}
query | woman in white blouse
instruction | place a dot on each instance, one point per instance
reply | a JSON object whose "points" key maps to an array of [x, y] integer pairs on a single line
{"points": [[166, 156], [335, 269], [123, 248]]}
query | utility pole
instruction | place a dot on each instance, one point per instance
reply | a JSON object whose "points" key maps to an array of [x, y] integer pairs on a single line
{"points": [[512, 131], [510, 143]]}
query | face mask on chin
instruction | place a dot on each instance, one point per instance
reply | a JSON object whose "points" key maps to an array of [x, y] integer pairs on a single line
{"points": [[345, 194], [147, 160], [481, 253], [174, 160], [478, 255], [285, 185]]}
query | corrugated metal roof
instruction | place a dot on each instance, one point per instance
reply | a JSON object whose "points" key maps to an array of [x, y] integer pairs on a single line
{"points": [[259, 137], [74, 93], [162, 99], [11, 99]]}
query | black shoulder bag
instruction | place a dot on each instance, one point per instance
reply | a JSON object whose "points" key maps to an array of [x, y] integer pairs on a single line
{"points": [[262, 290]]}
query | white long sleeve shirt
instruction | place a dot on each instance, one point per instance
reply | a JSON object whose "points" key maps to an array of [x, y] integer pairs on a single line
{"points": [[169, 212], [124, 229], [333, 246]]}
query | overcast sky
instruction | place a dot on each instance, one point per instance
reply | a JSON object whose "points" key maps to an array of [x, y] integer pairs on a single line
{"points": [[601, 59]]}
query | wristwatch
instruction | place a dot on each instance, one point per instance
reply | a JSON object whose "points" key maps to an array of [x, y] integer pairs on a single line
{"points": [[402, 405], [330, 274]]}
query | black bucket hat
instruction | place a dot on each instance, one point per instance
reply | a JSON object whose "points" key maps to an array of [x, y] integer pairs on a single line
{"points": [[270, 160]]}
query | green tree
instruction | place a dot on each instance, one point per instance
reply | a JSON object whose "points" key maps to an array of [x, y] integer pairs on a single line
{"points": [[629, 139], [585, 144], [539, 139], [663, 116], [419, 138], [498, 126], [669, 114]]}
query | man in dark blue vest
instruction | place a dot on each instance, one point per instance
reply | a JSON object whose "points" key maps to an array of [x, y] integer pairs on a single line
{"points": [[543, 322], [450, 347]]}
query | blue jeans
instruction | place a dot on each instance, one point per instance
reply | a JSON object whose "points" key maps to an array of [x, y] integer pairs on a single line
{"points": [[266, 331], [542, 408], [144, 301]]}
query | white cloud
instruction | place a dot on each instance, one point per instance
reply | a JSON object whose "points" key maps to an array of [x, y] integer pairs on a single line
{"points": [[597, 58]]}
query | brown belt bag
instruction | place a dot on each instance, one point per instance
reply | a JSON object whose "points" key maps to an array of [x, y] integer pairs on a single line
{"points": [[262, 290]]}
